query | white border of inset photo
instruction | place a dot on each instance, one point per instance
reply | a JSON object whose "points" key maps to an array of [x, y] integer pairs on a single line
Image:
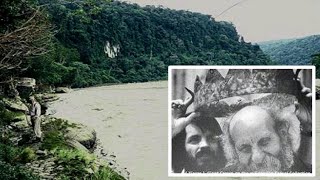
{"points": [[170, 91]]}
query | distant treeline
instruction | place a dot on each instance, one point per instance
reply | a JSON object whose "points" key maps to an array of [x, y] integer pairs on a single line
{"points": [[292, 51], [105, 41]]}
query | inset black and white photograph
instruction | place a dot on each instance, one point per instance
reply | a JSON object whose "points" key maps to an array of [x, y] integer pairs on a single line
{"points": [[241, 121]]}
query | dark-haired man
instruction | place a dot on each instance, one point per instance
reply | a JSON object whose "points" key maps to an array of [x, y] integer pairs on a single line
{"points": [[195, 141], [197, 148]]}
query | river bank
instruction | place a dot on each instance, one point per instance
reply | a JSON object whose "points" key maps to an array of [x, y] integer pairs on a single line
{"points": [[131, 121]]}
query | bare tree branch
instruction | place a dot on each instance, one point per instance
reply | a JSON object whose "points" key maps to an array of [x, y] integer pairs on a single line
{"points": [[28, 40]]}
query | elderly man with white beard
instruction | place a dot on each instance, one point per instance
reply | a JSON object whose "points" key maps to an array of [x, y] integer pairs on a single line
{"points": [[257, 139], [260, 111]]}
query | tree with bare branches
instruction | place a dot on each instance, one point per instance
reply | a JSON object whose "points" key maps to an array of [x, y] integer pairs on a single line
{"points": [[25, 33]]}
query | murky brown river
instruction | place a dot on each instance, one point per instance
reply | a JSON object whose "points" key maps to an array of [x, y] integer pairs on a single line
{"points": [[132, 123]]}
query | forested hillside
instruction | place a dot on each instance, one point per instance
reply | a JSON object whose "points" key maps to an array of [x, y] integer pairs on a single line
{"points": [[292, 51], [104, 41]]}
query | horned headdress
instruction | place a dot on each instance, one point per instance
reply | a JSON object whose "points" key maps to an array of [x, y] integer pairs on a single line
{"points": [[273, 89], [220, 95]]}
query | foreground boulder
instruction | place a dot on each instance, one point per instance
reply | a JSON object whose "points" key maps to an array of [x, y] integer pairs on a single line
{"points": [[84, 135], [46, 98], [72, 132], [26, 82], [62, 90], [77, 145]]}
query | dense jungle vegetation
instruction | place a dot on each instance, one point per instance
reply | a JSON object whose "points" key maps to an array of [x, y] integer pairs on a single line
{"points": [[84, 43], [301, 51], [81, 43], [292, 51]]}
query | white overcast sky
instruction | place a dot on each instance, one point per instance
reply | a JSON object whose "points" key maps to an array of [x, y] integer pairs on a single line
{"points": [[256, 20]]}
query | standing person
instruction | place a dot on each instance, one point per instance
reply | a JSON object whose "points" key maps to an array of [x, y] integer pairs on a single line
{"points": [[35, 112]]}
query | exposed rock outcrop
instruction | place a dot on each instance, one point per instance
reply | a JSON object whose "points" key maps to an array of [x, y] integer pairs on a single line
{"points": [[84, 135], [45, 100], [14, 104], [77, 145], [25, 86], [45, 97], [62, 90]]}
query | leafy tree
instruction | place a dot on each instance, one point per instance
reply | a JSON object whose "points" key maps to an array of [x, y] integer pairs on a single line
{"points": [[292, 51], [109, 41]]}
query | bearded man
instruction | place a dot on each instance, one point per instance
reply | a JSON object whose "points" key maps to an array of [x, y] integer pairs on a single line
{"points": [[198, 148], [262, 133], [257, 139], [196, 140]]}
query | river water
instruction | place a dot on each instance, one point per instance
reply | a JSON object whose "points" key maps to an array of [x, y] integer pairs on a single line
{"points": [[131, 122]]}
